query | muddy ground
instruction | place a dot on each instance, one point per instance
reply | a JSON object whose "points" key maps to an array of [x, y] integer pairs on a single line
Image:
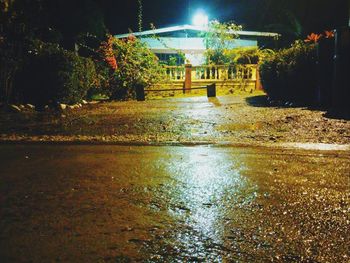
{"points": [[173, 204], [229, 179], [244, 119]]}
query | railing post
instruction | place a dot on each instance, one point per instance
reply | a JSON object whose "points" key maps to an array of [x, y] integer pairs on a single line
{"points": [[140, 92], [211, 91], [188, 78], [258, 85]]}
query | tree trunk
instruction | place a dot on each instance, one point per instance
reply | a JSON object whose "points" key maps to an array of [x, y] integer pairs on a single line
{"points": [[349, 13]]}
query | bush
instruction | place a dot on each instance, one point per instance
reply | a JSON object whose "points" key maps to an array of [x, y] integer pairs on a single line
{"points": [[247, 55], [11, 61], [290, 74], [51, 74], [131, 63]]}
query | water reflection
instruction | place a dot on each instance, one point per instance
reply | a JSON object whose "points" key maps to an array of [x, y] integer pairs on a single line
{"points": [[210, 179]]}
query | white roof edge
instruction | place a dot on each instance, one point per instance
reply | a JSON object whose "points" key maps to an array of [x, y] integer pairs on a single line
{"points": [[196, 28]]}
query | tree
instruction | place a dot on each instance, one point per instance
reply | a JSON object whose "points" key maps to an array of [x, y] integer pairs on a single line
{"points": [[218, 39], [140, 15], [131, 63]]}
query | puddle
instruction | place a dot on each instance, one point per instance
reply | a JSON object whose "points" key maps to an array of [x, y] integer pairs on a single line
{"points": [[318, 146]]}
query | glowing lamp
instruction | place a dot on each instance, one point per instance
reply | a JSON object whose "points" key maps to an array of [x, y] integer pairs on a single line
{"points": [[200, 19]]}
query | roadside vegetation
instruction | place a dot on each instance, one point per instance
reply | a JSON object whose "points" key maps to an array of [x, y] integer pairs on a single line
{"points": [[299, 74], [289, 75], [48, 63]]}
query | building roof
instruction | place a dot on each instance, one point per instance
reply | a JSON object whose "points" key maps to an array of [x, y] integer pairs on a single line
{"points": [[188, 45], [199, 29]]}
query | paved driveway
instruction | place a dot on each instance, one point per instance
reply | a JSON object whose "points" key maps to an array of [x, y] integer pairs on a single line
{"points": [[173, 204]]}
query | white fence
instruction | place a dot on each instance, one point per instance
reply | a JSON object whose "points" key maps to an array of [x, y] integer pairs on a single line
{"points": [[214, 73]]}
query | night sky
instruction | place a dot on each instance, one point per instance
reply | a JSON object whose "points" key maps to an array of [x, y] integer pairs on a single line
{"points": [[314, 15]]}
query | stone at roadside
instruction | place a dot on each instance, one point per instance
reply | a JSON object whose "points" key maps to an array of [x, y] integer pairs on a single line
{"points": [[72, 107], [29, 106], [79, 105], [62, 106], [22, 107], [14, 108], [84, 102]]}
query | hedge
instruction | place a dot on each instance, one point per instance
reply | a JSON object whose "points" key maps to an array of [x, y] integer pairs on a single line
{"points": [[51, 74], [290, 75]]}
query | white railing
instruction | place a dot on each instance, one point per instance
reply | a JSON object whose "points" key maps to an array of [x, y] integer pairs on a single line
{"points": [[215, 73], [224, 73], [175, 73]]}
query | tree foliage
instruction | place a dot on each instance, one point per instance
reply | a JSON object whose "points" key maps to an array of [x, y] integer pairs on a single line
{"points": [[247, 55], [51, 74], [290, 74], [131, 64], [58, 26], [218, 38]]}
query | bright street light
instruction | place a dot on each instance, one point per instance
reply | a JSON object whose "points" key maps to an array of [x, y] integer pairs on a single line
{"points": [[200, 19]]}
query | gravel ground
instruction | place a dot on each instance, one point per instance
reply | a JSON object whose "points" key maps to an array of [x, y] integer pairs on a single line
{"points": [[229, 119]]}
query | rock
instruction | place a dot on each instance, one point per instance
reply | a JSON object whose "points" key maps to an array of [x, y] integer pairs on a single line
{"points": [[14, 108], [84, 102], [79, 105], [46, 107], [75, 106], [62, 106], [30, 106], [22, 107]]}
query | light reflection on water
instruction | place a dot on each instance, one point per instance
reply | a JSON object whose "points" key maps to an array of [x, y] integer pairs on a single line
{"points": [[209, 181]]}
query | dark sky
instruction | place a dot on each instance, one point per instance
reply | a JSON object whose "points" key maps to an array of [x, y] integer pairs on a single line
{"points": [[314, 15]]}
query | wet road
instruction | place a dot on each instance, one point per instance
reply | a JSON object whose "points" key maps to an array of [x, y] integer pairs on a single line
{"points": [[173, 204]]}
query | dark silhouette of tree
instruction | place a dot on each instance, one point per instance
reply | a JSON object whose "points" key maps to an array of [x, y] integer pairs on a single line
{"points": [[63, 21]]}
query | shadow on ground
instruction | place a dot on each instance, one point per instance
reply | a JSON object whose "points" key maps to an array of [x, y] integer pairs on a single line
{"points": [[262, 101], [331, 114], [258, 101]]}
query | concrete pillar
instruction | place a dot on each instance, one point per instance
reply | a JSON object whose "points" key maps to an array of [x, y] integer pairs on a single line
{"points": [[258, 85], [188, 78]]}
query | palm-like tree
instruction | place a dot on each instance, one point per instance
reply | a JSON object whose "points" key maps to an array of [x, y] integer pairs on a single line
{"points": [[140, 15]]}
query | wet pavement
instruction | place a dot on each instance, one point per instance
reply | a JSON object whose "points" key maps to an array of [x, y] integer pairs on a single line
{"points": [[173, 204], [246, 119]]}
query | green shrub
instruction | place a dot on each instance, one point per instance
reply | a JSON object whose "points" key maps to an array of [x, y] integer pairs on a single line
{"points": [[52, 74], [11, 61], [290, 74], [131, 63], [247, 55]]}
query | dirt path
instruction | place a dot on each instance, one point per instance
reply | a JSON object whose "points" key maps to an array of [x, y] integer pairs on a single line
{"points": [[173, 204], [228, 119]]}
